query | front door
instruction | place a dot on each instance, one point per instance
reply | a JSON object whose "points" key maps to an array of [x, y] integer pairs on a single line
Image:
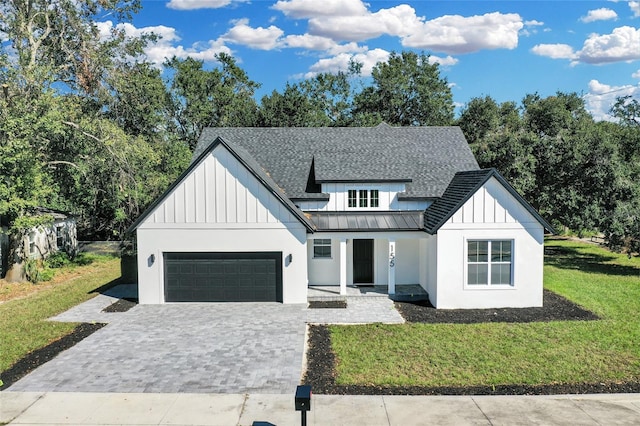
{"points": [[363, 261]]}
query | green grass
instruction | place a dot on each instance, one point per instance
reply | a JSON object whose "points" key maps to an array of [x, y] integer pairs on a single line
{"points": [[607, 350], [23, 322]]}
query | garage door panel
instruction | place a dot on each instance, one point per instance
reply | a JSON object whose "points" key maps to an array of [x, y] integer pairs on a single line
{"points": [[218, 277]]}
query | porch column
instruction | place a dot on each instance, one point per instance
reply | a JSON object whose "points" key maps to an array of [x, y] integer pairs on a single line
{"points": [[343, 266], [392, 266]]}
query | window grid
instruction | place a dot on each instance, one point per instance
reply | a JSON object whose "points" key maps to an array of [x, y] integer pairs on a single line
{"points": [[322, 248], [352, 198], [486, 270], [363, 198], [374, 198]]}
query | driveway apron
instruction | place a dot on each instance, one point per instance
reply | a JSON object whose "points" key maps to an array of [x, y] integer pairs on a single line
{"points": [[212, 347]]}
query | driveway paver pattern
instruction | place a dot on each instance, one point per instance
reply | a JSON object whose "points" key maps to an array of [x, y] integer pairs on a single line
{"points": [[192, 347]]}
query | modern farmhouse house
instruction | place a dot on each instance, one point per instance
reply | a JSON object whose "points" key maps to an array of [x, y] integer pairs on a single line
{"points": [[263, 213]]}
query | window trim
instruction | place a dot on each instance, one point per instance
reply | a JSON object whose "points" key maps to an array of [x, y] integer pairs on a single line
{"points": [[362, 198], [489, 263], [322, 242]]}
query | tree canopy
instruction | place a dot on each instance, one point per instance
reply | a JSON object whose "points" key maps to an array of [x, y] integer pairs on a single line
{"points": [[87, 125]]}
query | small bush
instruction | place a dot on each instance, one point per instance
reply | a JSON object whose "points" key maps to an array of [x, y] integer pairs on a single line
{"points": [[47, 274], [32, 271], [57, 260]]}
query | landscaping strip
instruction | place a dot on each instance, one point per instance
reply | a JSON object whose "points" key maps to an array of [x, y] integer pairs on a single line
{"points": [[321, 375], [40, 356], [555, 308]]}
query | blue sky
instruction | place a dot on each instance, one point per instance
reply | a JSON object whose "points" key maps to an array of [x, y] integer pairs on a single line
{"points": [[505, 49]]}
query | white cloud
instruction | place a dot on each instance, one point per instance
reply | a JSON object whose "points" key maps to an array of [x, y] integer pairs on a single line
{"points": [[457, 34], [636, 74], [602, 96], [352, 21], [300, 9], [165, 47], [397, 21], [533, 23], [554, 51], [311, 42], [635, 7], [198, 4], [623, 44], [256, 38], [341, 62], [602, 14], [445, 62]]}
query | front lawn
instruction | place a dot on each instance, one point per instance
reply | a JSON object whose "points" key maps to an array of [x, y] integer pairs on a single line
{"points": [[23, 320], [493, 354]]}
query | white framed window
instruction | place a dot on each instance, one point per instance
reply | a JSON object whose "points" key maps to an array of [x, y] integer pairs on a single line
{"points": [[489, 262], [374, 197], [353, 198], [363, 198], [322, 248], [32, 243], [60, 237]]}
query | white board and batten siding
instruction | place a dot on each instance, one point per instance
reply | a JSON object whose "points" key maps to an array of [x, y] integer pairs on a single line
{"points": [[220, 207], [492, 213], [338, 198]]}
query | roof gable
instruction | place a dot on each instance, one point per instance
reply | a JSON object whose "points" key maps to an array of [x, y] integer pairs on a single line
{"points": [[247, 162], [462, 187]]}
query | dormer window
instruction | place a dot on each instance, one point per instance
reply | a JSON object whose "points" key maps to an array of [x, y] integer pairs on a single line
{"points": [[363, 198]]}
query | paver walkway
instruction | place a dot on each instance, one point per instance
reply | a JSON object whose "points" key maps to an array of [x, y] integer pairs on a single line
{"points": [[192, 347]]}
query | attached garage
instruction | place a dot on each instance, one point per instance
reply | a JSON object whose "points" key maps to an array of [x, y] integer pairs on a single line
{"points": [[223, 277]]}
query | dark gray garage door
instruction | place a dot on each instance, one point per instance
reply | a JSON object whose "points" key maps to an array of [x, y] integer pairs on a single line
{"points": [[223, 277]]}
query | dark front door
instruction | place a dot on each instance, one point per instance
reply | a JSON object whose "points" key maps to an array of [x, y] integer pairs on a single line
{"points": [[223, 277], [363, 261]]}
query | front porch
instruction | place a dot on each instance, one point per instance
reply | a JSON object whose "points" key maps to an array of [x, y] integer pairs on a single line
{"points": [[404, 292]]}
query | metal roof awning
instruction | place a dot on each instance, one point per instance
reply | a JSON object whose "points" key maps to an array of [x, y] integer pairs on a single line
{"points": [[368, 221]]}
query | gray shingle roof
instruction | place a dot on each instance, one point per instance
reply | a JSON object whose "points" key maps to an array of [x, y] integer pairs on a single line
{"points": [[425, 157], [463, 185], [368, 221]]}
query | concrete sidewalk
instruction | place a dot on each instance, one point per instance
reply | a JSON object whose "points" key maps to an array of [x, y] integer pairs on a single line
{"points": [[58, 408]]}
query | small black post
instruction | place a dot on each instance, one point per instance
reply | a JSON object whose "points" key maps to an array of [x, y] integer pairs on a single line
{"points": [[303, 402]]}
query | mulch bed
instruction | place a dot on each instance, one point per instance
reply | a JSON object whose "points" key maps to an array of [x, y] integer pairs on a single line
{"points": [[38, 357], [321, 372], [555, 308], [328, 304], [121, 305]]}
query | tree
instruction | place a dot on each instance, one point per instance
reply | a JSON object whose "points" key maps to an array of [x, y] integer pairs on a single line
{"points": [[58, 42], [210, 98], [324, 100], [407, 90], [138, 99]]}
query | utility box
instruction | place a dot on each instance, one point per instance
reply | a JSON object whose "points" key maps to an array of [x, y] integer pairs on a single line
{"points": [[303, 398]]}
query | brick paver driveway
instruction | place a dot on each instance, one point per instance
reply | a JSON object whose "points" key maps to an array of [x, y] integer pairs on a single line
{"points": [[212, 347], [192, 347]]}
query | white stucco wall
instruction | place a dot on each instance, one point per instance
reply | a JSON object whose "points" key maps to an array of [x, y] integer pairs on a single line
{"points": [[221, 207], [491, 214]]}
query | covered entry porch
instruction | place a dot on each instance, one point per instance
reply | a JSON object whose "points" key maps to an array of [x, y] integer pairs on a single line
{"points": [[350, 250]]}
